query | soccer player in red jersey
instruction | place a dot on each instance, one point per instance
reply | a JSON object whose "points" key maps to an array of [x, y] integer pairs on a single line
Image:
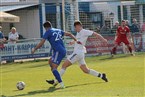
{"points": [[122, 35]]}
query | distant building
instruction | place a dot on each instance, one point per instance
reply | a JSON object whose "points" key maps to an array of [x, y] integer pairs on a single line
{"points": [[92, 13], [28, 11]]}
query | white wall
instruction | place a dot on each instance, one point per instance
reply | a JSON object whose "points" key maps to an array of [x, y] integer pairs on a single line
{"points": [[108, 7], [29, 25], [114, 9]]}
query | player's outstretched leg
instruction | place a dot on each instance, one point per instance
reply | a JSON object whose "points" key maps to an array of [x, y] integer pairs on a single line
{"points": [[66, 64], [85, 69], [114, 50]]}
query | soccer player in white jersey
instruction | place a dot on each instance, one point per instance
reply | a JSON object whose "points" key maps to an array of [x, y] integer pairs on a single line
{"points": [[78, 54]]}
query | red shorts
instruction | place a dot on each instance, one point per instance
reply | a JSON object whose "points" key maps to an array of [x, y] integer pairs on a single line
{"points": [[124, 40]]}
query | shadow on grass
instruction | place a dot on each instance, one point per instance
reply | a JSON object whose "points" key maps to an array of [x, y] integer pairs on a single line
{"points": [[52, 89], [115, 57], [9, 71], [3, 96], [37, 66], [34, 66], [84, 84]]}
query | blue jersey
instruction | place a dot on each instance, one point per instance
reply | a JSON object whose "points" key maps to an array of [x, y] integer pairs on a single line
{"points": [[55, 37]]}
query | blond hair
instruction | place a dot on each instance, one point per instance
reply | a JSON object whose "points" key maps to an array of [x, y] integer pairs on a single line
{"points": [[13, 28]]}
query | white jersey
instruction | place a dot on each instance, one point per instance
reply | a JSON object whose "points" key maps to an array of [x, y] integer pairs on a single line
{"points": [[82, 36]]}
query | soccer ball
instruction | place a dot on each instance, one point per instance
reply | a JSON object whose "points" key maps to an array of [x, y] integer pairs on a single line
{"points": [[20, 85]]}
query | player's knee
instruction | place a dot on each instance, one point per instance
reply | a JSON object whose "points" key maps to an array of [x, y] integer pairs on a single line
{"points": [[49, 62], [54, 66], [66, 64]]}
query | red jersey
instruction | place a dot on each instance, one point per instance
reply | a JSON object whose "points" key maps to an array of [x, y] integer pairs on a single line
{"points": [[122, 32]]}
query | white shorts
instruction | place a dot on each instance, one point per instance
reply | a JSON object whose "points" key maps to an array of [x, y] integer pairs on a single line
{"points": [[77, 57]]}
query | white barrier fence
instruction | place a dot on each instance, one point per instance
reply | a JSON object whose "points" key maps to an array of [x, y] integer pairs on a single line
{"points": [[95, 47], [22, 50]]}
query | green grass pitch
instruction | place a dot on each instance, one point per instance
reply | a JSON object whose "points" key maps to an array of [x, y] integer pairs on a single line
{"points": [[125, 73]]}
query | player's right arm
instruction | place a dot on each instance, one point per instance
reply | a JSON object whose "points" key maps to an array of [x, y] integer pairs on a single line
{"points": [[45, 36], [38, 46], [73, 37], [99, 37]]}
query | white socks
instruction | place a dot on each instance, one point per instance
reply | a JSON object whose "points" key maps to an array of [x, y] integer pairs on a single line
{"points": [[95, 73], [62, 71], [62, 85]]}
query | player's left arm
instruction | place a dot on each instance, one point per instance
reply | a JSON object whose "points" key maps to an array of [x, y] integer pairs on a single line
{"points": [[38, 46], [100, 37]]}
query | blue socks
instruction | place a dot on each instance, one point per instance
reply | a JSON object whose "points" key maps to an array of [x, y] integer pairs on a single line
{"points": [[57, 75]]}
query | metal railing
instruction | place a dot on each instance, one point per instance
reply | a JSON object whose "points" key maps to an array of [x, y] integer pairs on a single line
{"points": [[22, 49]]}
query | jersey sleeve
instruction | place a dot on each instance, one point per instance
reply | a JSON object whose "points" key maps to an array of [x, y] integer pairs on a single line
{"points": [[88, 33], [46, 35], [62, 32]]}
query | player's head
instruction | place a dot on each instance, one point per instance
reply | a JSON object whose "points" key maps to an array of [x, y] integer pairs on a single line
{"points": [[78, 25], [123, 23], [47, 25]]}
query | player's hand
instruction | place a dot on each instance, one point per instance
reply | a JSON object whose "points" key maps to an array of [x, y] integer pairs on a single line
{"points": [[71, 43], [33, 51], [78, 42], [130, 40]]}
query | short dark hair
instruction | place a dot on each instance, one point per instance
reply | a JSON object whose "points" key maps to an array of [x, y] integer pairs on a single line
{"points": [[123, 21], [47, 24], [77, 23]]}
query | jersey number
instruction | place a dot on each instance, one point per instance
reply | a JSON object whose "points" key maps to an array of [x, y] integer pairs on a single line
{"points": [[58, 36]]}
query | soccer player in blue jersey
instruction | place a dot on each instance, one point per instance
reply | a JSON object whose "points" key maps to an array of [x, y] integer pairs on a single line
{"points": [[55, 37]]}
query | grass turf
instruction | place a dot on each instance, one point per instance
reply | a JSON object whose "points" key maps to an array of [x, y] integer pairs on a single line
{"points": [[125, 74]]}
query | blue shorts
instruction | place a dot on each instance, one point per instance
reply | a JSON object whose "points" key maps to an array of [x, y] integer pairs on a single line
{"points": [[57, 57]]}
